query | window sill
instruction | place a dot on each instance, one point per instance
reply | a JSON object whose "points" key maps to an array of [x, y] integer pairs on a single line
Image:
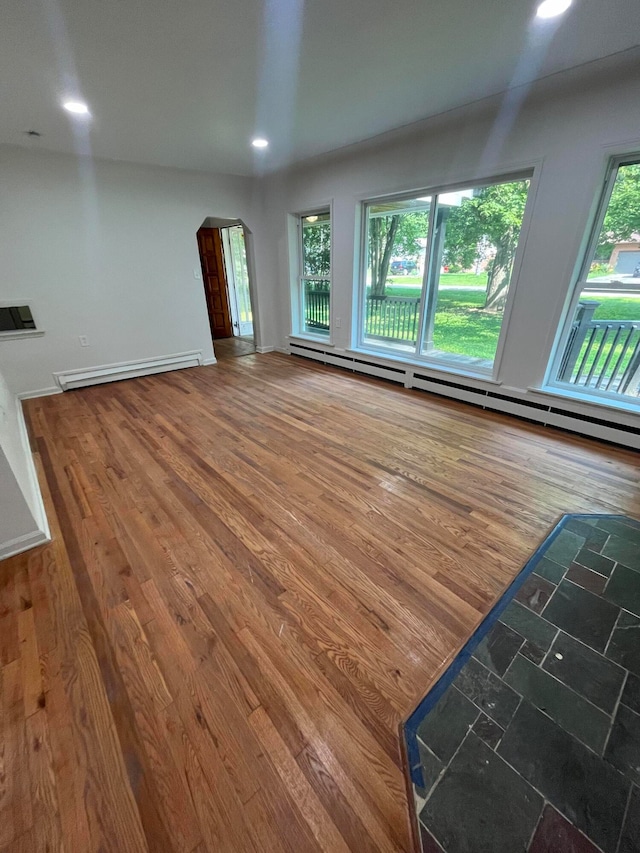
{"points": [[587, 399], [431, 364], [17, 334], [315, 339]]}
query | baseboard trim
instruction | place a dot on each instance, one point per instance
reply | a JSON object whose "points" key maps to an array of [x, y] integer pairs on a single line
{"points": [[23, 543], [559, 413], [40, 392], [39, 512], [69, 379], [264, 349]]}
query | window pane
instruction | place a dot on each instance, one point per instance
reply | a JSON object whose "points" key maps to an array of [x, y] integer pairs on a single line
{"points": [[316, 245], [474, 246], [602, 353], [316, 295], [396, 247]]}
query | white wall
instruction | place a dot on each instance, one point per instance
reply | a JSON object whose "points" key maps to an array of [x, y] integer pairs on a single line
{"points": [[12, 441], [107, 250], [566, 128], [22, 520], [17, 525]]}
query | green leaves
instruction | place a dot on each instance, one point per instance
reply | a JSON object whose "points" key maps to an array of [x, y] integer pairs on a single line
{"points": [[622, 219], [316, 246], [493, 215], [488, 224]]}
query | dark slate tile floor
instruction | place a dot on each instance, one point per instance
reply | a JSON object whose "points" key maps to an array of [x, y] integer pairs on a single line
{"points": [[530, 743]]}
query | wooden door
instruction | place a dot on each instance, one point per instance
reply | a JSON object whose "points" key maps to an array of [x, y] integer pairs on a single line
{"points": [[215, 283]]}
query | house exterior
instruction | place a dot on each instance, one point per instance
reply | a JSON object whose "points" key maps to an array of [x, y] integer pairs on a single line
{"points": [[626, 256]]}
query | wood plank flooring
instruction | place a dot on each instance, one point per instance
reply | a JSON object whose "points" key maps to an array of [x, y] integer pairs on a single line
{"points": [[257, 569], [234, 347]]}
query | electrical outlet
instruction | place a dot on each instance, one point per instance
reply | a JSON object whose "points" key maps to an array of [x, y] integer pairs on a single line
{"points": [[84, 342], [338, 322], [197, 274]]}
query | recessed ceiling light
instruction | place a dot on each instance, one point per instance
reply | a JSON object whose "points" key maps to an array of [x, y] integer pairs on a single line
{"points": [[552, 8], [76, 107], [259, 142]]}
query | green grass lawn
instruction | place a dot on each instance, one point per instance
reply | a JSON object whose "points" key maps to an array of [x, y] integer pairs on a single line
{"points": [[616, 307], [461, 326], [449, 279]]}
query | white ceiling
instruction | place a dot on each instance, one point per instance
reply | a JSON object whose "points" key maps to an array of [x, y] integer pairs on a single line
{"points": [[187, 83]]}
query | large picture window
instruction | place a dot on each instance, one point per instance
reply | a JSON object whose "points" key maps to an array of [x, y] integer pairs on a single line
{"points": [[315, 273], [599, 352], [438, 271]]}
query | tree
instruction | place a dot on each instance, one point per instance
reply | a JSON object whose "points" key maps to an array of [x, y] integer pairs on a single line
{"points": [[493, 215], [382, 236], [393, 234], [622, 219], [316, 248]]}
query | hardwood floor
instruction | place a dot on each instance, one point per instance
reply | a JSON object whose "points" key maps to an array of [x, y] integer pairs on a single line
{"points": [[257, 569], [234, 347]]}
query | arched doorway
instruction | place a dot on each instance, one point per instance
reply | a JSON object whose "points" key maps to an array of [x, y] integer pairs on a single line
{"points": [[224, 259]]}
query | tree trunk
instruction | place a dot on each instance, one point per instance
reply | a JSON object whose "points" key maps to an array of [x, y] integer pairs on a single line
{"points": [[499, 274], [381, 240]]}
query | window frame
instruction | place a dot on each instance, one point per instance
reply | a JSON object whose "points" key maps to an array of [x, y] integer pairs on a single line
{"points": [[551, 382], [448, 365], [299, 277]]}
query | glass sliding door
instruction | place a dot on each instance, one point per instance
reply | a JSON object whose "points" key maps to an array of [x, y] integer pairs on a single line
{"points": [[396, 246], [439, 270]]}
